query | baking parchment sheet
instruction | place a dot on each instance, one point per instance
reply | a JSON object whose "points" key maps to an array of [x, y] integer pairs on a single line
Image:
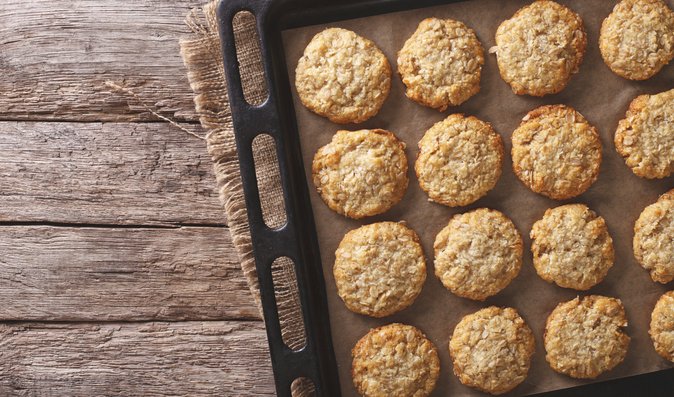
{"points": [[618, 195]]}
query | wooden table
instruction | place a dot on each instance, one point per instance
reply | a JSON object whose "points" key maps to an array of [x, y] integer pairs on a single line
{"points": [[117, 271]]}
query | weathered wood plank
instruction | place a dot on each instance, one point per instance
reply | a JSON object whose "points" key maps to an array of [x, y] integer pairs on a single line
{"points": [[56, 55], [106, 274], [105, 173], [129, 359]]}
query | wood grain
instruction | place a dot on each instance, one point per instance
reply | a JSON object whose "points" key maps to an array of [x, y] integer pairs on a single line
{"points": [[56, 55], [135, 359], [85, 290], [130, 274], [105, 173]]}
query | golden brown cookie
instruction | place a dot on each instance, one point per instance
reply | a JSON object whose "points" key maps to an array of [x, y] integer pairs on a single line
{"points": [[539, 48], [662, 326], [556, 152], [459, 160], [584, 337], [478, 253], [361, 173], [653, 239], [491, 350], [343, 76], [572, 247], [645, 137], [637, 39], [441, 63], [379, 268], [395, 360]]}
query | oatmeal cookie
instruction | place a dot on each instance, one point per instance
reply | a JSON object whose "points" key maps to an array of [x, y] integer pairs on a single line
{"points": [[653, 239], [441, 63], [478, 253], [539, 48], [662, 326], [379, 268], [361, 173], [637, 39], [645, 137], [556, 152], [584, 337], [395, 360], [572, 247], [343, 76], [491, 350], [459, 160]]}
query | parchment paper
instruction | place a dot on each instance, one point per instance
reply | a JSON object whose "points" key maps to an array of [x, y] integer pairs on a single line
{"points": [[618, 195]]}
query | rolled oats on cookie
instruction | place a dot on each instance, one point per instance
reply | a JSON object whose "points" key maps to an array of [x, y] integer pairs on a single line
{"points": [[361, 173], [556, 152], [571, 247], [478, 253], [637, 39], [441, 63], [395, 360], [343, 76], [460, 160], [491, 350], [379, 268], [584, 337], [653, 241], [662, 326], [645, 137], [539, 48]]}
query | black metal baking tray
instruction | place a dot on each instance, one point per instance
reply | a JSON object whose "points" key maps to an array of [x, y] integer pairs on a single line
{"points": [[297, 238]]}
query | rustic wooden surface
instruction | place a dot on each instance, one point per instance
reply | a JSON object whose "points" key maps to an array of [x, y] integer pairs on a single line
{"points": [[134, 359], [57, 54], [117, 272], [105, 173]]}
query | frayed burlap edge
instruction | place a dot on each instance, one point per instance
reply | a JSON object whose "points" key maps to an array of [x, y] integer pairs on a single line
{"points": [[202, 55]]}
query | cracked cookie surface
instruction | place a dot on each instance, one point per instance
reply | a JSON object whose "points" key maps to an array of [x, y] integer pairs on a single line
{"points": [[361, 173], [584, 337], [441, 63], [653, 243], [637, 39], [491, 350], [343, 76], [478, 253], [379, 268], [645, 137], [556, 152], [662, 326], [395, 360], [460, 160], [539, 48], [571, 247]]}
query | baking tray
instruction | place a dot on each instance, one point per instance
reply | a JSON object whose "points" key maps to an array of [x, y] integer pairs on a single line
{"points": [[297, 239]]}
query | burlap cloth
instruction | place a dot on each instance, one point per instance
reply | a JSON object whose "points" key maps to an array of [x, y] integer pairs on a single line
{"points": [[202, 54]]}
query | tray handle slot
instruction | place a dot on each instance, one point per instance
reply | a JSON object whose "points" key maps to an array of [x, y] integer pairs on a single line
{"points": [[268, 176], [251, 72], [303, 387], [287, 298]]}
